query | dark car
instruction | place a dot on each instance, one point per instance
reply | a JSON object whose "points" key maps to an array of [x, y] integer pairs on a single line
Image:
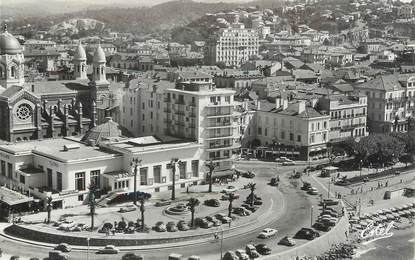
{"points": [[203, 223], [160, 227], [63, 247], [329, 212], [342, 183], [182, 225], [108, 249], [249, 207], [162, 203], [171, 227], [248, 175], [306, 233], [131, 256], [263, 249], [212, 203], [321, 226], [329, 202], [306, 186]]}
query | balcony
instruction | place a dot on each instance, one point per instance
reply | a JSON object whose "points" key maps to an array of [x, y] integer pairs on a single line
{"points": [[220, 136], [166, 99], [223, 147], [220, 104], [180, 102]]}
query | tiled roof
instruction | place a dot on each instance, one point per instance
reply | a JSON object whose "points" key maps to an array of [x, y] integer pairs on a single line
{"points": [[383, 82]]}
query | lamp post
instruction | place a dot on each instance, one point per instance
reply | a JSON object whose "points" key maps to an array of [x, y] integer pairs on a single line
{"points": [[135, 163], [361, 168], [173, 162], [328, 191], [221, 244]]}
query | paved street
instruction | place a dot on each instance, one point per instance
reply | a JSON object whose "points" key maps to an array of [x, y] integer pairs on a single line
{"points": [[296, 215]]}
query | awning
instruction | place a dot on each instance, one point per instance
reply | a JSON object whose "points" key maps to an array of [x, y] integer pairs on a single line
{"points": [[12, 198]]}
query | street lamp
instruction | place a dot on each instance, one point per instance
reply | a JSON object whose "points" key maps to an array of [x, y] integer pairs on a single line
{"points": [[173, 162], [361, 168], [135, 163], [211, 166], [328, 191]]}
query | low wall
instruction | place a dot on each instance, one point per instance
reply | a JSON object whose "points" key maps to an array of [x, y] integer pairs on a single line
{"points": [[317, 246], [38, 236]]}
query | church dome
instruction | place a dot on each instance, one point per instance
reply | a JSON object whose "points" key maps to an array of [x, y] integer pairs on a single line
{"points": [[105, 131], [99, 55], [79, 53], [9, 44]]}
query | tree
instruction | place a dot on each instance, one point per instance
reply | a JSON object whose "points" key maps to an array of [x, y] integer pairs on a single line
{"points": [[334, 151], [252, 187], [211, 166], [49, 207], [231, 198], [92, 203], [192, 204]]}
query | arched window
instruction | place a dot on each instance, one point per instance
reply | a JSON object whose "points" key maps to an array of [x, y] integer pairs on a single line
{"points": [[102, 70], [83, 67], [97, 70], [13, 72], [1, 72], [78, 68]]}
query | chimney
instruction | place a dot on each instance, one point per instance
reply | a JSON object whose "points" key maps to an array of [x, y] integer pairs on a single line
{"points": [[33, 87], [301, 106], [258, 105], [278, 103], [284, 103]]}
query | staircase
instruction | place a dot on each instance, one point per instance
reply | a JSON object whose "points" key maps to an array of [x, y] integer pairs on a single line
{"points": [[105, 200]]}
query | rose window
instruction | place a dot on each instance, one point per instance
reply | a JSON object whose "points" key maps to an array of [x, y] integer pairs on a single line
{"points": [[24, 112]]}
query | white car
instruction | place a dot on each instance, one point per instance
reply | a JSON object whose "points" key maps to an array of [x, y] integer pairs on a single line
{"points": [[267, 233], [283, 159], [312, 191], [288, 163], [229, 189], [242, 254]]}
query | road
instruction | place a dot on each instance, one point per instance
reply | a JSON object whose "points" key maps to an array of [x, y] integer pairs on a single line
{"points": [[296, 215]]}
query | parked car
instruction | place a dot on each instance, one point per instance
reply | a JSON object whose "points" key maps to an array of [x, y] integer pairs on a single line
{"points": [[273, 181], [129, 208], [216, 222], [248, 175], [131, 256], [329, 202], [267, 233], [230, 256], [226, 196], [263, 249], [321, 226], [307, 233], [312, 191], [306, 186], [162, 203], [160, 227], [224, 218], [249, 207], [182, 225], [212, 203], [203, 223], [342, 183], [283, 159], [287, 241], [108, 249], [63, 247], [241, 211], [229, 189], [288, 163], [330, 221], [251, 251], [330, 213], [171, 227], [242, 254]]}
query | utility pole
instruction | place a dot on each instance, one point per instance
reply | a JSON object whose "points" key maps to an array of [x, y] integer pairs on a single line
{"points": [[135, 163], [328, 191], [173, 162], [311, 216]]}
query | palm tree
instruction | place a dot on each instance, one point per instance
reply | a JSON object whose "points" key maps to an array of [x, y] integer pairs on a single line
{"points": [[231, 198], [49, 207], [211, 166], [135, 163], [142, 209], [192, 204], [252, 187], [92, 203]]}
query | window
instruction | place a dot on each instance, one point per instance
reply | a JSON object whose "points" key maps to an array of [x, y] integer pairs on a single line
{"points": [[80, 181], [298, 138], [10, 170], [182, 168], [144, 117], [195, 168], [157, 173], [59, 181], [291, 137], [13, 72], [282, 135], [266, 131], [50, 177], [312, 137], [144, 105], [259, 130], [81, 197], [325, 124], [143, 176], [312, 126], [95, 178], [3, 168], [22, 179]]}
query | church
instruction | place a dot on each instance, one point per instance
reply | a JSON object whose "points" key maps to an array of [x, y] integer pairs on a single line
{"points": [[48, 109]]}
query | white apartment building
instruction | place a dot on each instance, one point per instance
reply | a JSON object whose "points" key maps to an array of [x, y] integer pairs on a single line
{"points": [[142, 111], [232, 46], [295, 129], [201, 112], [390, 102]]}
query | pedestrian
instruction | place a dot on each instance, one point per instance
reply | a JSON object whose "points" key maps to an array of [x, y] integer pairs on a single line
{"points": [[386, 183]]}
